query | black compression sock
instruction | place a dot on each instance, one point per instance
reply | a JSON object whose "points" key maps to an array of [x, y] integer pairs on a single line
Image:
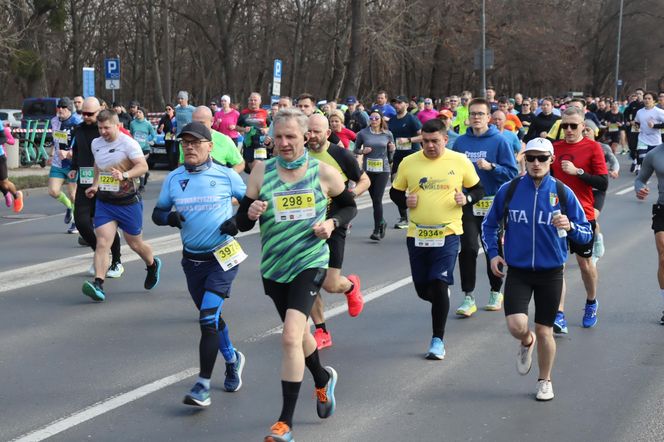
{"points": [[589, 302], [99, 282], [321, 325], [321, 376], [290, 391]]}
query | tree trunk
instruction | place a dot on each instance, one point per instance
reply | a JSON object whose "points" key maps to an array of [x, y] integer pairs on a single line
{"points": [[154, 58], [354, 63], [167, 54]]}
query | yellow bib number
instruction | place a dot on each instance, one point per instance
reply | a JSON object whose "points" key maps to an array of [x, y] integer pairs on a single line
{"points": [[429, 236], [375, 165], [405, 146], [481, 208], [613, 127], [108, 183], [229, 254], [60, 136], [294, 205], [260, 153]]}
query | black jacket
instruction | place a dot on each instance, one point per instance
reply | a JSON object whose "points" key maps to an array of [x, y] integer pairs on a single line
{"points": [[81, 144]]}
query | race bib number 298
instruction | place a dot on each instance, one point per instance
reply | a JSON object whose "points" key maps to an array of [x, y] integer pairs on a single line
{"points": [[293, 205]]}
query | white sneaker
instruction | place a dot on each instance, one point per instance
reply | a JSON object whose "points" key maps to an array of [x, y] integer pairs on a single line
{"points": [[115, 270], [544, 390], [91, 270], [524, 360]]}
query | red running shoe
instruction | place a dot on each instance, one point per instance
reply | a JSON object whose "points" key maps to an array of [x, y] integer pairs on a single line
{"points": [[323, 338], [354, 298]]}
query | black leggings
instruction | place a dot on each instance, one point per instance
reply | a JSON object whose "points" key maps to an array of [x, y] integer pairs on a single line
{"points": [[470, 246], [83, 214], [376, 191], [436, 293]]}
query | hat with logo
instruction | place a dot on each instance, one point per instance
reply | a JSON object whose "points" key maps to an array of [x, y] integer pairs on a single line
{"points": [[539, 144], [197, 130]]}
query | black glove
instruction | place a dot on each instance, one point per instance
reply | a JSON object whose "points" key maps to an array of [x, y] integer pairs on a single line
{"points": [[229, 227], [175, 219]]}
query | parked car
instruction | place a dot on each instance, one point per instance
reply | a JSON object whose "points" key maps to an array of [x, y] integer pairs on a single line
{"points": [[11, 117], [39, 109]]}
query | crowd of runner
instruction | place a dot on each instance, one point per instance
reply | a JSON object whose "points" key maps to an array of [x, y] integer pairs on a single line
{"points": [[523, 178]]}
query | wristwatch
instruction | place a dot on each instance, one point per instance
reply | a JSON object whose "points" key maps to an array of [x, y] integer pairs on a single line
{"points": [[580, 172], [335, 222], [493, 166], [469, 199], [125, 175]]}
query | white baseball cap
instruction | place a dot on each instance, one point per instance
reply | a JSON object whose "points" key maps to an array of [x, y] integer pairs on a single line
{"points": [[540, 144]]}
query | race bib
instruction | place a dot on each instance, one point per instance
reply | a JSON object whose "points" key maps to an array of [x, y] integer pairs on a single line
{"points": [[86, 175], [481, 208], [141, 137], [635, 128], [229, 254], [293, 205], [375, 165], [429, 236], [613, 127], [404, 146], [108, 183], [260, 153], [60, 137]]}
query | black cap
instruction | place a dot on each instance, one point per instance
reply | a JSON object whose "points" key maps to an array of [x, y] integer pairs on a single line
{"points": [[402, 99], [197, 130]]}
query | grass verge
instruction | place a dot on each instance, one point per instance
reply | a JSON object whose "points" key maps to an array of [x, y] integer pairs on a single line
{"points": [[29, 181]]}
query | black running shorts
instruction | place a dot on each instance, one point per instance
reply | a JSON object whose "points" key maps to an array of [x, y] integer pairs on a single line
{"points": [[299, 294], [544, 285]]}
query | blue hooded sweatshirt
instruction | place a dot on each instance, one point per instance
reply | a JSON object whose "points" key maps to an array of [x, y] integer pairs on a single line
{"points": [[494, 148], [531, 240]]}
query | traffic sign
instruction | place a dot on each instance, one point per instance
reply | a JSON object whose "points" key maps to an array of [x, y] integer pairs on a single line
{"points": [[277, 69], [113, 84], [112, 69], [88, 82]]}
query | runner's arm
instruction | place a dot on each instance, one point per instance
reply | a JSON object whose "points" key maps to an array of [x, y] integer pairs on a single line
{"points": [[599, 182], [344, 208], [644, 174], [476, 192], [253, 192]]}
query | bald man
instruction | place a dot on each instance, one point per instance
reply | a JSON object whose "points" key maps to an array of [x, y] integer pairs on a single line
{"points": [[82, 167], [224, 150], [342, 160]]}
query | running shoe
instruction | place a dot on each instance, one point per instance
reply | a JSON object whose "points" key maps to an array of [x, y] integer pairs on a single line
{"points": [[524, 359], [598, 246], [495, 302], [637, 169], [560, 323], [68, 216], [152, 278], [436, 350], [467, 308], [325, 402], [376, 234], [198, 396], [94, 291], [590, 315], [279, 432], [72, 229], [632, 167], [9, 199], [354, 299], [115, 270], [401, 224], [323, 338], [382, 229], [233, 380], [18, 202], [544, 390], [661, 321]]}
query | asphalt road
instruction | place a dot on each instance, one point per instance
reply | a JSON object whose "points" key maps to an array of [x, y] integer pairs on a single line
{"points": [[74, 370]]}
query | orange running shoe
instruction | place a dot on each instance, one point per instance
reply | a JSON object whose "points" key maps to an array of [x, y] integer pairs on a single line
{"points": [[354, 298], [18, 202], [279, 432]]}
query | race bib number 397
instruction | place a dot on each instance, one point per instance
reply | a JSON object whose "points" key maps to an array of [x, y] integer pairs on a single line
{"points": [[229, 254], [293, 205]]}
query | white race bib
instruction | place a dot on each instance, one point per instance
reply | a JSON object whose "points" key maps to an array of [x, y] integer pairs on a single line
{"points": [[229, 254], [429, 236], [86, 175], [293, 205], [404, 146], [374, 165], [481, 208], [108, 183], [260, 153], [61, 137]]}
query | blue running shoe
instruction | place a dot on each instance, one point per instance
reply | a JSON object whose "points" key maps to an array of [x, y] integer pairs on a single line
{"points": [[68, 216], [152, 278], [198, 396], [233, 380], [280, 432], [436, 350], [325, 402], [590, 315], [560, 324], [94, 291]]}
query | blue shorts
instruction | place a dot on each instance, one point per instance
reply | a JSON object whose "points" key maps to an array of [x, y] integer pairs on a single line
{"points": [[61, 172], [129, 217], [208, 276], [431, 263]]}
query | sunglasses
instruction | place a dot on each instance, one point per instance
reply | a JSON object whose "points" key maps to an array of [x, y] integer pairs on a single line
{"points": [[374, 118], [63, 107], [88, 114], [565, 126], [540, 158]]}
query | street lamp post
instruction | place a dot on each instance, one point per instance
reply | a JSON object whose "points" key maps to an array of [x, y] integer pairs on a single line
{"points": [[620, 18], [483, 55]]}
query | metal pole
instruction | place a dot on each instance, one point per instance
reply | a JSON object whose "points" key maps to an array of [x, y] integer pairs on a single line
{"points": [[620, 17], [483, 55]]}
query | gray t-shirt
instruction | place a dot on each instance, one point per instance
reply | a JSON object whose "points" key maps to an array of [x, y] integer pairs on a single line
{"points": [[377, 159], [653, 162]]}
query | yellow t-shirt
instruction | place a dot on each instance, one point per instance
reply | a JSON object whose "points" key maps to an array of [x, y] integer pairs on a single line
{"points": [[434, 181], [326, 158]]}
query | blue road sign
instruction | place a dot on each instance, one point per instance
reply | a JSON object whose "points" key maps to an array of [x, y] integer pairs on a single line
{"points": [[88, 82], [277, 69], [112, 68]]}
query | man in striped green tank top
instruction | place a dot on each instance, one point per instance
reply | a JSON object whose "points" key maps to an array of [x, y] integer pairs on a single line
{"points": [[289, 194]]}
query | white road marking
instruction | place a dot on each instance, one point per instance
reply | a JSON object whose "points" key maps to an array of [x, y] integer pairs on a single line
{"points": [[31, 219], [625, 190]]}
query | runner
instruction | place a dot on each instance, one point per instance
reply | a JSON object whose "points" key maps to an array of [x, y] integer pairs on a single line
{"points": [[535, 252], [632, 135], [382, 105], [343, 161], [289, 195], [373, 144], [82, 168], [579, 163], [143, 132], [614, 121], [494, 161], [253, 122], [62, 125], [649, 136], [225, 119], [210, 253], [654, 162], [118, 162], [434, 179], [183, 111], [542, 122]]}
